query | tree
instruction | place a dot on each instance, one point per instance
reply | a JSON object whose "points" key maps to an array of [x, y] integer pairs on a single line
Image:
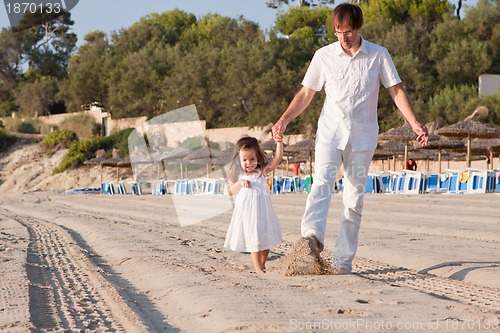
{"points": [[452, 104], [9, 70], [219, 31], [174, 22], [483, 23], [135, 86], [46, 42], [389, 12], [88, 76], [408, 44], [464, 62], [306, 23], [166, 28], [36, 97]]}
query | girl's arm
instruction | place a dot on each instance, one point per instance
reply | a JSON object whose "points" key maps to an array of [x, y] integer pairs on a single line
{"points": [[278, 156], [234, 188]]}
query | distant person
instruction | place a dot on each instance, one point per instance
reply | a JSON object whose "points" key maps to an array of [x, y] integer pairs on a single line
{"points": [[254, 225], [411, 165], [351, 71]]}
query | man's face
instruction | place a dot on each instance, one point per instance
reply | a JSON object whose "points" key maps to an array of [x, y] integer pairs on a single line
{"points": [[348, 37]]}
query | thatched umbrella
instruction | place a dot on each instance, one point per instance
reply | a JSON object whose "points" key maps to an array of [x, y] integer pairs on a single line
{"points": [[469, 128], [177, 154], [486, 146], [100, 156], [210, 157], [403, 133], [294, 159], [440, 143], [391, 149], [117, 162], [307, 146], [268, 145]]}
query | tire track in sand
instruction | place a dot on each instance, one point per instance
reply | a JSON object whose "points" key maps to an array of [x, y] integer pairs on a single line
{"points": [[466, 293], [66, 291]]}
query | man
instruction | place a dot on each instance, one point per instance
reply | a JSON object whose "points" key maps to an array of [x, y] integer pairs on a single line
{"points": [[351, 71], [411, 165]]}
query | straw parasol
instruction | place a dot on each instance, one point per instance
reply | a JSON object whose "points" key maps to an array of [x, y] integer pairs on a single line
{"points": [[177, 154], [117, 162], [470, 128], [486, 147], [391, 149], [305, 146], [100, 156], [440, 143], [403, 133], [268, 145], [210, 157]]}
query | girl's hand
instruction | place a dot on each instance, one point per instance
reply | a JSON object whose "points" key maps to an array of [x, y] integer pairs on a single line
{"points": [[422, 132], [245, 183], [278, 130]]}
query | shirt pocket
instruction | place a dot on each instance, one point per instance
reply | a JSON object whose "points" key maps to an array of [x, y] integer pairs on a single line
{"points": [[335, 82], [369, 81]]}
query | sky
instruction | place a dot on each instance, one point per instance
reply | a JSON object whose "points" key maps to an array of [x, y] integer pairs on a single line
{"points": [[113, 15]]}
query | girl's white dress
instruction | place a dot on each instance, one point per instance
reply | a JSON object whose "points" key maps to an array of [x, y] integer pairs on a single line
{"points": [[254, 225]]}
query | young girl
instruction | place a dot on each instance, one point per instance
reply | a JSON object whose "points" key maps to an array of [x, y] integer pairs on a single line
{"points": [[254, 226]]}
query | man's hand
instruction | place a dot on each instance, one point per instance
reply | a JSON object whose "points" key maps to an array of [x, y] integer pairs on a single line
{"points": [[278, 130], [422, 132]]}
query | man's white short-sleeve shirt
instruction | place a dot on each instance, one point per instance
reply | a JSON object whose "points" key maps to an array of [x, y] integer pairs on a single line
{"points": [[352, 87]]}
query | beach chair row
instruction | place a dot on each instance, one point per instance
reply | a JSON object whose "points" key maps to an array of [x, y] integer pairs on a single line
{"points": [[282, 184], [468, 181], [206, 186]]}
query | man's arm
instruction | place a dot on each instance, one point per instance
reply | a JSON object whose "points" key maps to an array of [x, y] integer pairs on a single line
{"points": [[400, 98], [296, 107]]}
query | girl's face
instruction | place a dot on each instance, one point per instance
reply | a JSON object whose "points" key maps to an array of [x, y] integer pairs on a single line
{"points": [[248, 159]]}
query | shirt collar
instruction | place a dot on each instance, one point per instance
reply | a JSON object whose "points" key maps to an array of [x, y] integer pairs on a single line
{"points": [[362, 48]]}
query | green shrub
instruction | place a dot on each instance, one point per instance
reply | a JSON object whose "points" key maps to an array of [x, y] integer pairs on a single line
{"points": [[17, 125], [83, 125], [61, 138], [118, 140], [83, 150], [26, 127], [79, 152], [6, 140]]}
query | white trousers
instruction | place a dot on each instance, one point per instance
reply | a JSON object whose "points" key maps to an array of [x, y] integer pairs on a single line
{"points": [[327, 163]]}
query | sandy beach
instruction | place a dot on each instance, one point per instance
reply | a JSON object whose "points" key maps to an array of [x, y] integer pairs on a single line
{"points": [[97, 263]]}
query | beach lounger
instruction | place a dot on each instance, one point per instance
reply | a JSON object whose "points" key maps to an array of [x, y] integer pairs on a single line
{"points": [[432, 180], [287, 185], [108, 188], [413, 182], [477, 181]]}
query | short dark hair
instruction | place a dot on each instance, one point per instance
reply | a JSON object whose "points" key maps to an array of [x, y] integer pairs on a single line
{"points": [[347, 13]]}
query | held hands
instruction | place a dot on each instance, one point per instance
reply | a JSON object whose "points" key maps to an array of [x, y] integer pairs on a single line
{"points": [[422, 132], [278, 130]]}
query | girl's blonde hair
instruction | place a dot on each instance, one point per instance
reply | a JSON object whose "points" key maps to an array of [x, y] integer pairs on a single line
{"points": [[246, 142]]}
